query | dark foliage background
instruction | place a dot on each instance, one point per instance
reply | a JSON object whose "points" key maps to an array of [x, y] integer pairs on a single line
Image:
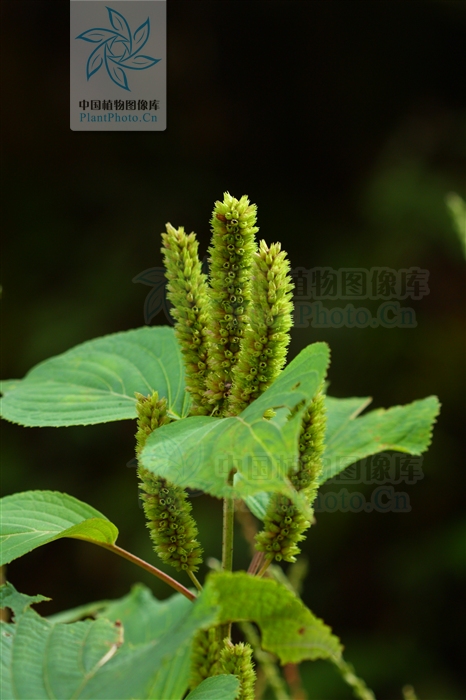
{"points": [[343, 122]]}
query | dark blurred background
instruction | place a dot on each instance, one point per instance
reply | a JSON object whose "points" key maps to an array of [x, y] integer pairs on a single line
{"points": [[344, 122]]}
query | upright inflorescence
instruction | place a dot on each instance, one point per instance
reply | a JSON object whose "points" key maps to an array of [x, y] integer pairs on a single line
{"points": [[233, 245], [284, 524], [172, 527], [237, 660], [266, 339], [188, 292]]}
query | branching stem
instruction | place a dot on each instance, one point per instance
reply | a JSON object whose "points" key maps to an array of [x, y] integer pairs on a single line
{"points": [[148, 567]]}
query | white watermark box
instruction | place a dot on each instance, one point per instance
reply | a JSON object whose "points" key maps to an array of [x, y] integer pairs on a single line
{"points": [[118, 65]]}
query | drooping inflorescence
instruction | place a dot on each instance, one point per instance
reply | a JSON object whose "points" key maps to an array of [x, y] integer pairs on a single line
{"points": [[168, 512], [284, 524], [231, 251], [311, 447], [152, 414], [188, 292], [266, 338]]}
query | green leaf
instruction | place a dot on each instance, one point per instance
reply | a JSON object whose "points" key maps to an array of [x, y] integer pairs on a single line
{"points": [[200, 452], [42, 660], [9, 385], [401, 428], [258, 504], [223, 687], [18, 602], [118, 679], [33, 518], [289, 629], [146, 619], [95, 381], [79, 613], [93, 659]]}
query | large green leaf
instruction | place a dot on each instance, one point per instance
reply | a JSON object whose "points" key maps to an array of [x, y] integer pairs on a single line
{"points": [[92, 658], [288, 628], [200, 452], [42, 660], [95, 381], [33, 518], [118, 679], [216, 688], [350, 438], [146, 619]]}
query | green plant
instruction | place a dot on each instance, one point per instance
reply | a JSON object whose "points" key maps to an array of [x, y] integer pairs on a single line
{"points": [[215, 412]]}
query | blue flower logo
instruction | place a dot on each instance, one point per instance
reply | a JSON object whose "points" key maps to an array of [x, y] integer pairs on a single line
{"points": [[118, 49]]}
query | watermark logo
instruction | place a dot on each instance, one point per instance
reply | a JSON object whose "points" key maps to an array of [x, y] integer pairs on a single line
{"points": [[118, 67], [376, 283], [384, 470], [314, 286], [384, 499], [156, 301], [118, 49]]}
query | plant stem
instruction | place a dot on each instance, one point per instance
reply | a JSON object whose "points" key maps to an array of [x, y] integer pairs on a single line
{"points": [[264, 568], [228, 525], [360, 689], [227, 544], [256, 562], [194, 580], [148, 567], [293, 678]]}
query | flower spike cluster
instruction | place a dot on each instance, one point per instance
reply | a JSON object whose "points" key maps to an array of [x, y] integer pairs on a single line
{"points": [[231, 252], [188, 292], [168, 512], [234, 332], [266, 339]]}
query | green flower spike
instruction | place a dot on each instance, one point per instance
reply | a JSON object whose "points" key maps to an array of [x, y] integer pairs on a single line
{"points": [[233, 245], [188, 292], [284, 525], [311, 447], [236, 659], [172, 527], [152, 413], [204, 656], [266, 340]]}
